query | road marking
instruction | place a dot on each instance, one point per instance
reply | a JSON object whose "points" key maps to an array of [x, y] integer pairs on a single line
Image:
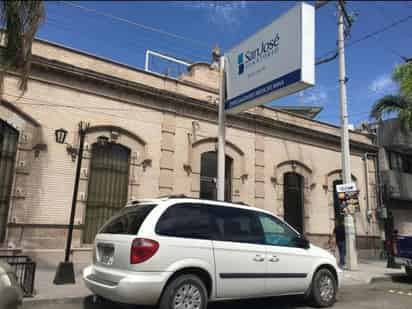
{"points": [[399, 292]]}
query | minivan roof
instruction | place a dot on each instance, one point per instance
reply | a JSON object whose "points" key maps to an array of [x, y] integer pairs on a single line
{"points": [[183, 198]]}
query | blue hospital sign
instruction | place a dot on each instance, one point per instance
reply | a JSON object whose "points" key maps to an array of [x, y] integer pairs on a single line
{"points": [[275, 62]]}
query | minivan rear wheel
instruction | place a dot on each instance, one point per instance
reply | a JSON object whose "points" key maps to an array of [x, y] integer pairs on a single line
{"points": [[184, 292], [323, 289]]}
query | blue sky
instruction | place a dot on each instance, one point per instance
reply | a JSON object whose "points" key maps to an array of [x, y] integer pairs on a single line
{"points": [[204, 24]]}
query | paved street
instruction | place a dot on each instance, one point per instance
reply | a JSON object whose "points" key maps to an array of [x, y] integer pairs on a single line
{"points": [[379, 295]]}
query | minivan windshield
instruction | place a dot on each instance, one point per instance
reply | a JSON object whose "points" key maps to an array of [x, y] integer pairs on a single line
{"points": [[128, 221]]}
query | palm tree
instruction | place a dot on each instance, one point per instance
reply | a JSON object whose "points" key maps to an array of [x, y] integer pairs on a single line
{"points": [[400, 104], [20, 20]]}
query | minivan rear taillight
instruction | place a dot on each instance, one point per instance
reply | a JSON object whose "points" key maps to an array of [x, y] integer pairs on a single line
{"points": [[142, 249]]}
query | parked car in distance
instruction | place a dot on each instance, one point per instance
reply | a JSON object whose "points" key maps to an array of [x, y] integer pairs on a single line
{"points": [[11, 295], [403, 253], [181, 253]]}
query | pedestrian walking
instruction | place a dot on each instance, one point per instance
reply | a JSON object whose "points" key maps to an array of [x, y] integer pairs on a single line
{"points": [[339, 233]]}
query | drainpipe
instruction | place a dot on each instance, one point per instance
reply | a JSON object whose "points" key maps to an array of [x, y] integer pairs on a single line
{"points": [[368, 210]]}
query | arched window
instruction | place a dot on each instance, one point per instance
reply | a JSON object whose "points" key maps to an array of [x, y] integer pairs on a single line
{"points": [[108, 185], [208, 176], [8, 148], [293, 200]]}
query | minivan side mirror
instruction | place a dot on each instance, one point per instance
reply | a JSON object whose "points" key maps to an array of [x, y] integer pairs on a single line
{"points": [[302, 242]]}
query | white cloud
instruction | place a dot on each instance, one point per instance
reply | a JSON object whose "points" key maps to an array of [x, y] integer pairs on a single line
{"points": [[314, 96], [383, 84], [220, 12]]}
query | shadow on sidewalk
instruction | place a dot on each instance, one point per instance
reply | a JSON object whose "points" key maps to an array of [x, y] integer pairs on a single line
{"points": [[284, 302], [399, 278]]}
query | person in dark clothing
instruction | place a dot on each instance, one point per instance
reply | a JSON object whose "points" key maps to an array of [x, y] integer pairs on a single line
{"points": [[339, 232]]}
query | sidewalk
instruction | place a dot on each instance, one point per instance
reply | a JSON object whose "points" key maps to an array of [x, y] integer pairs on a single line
{"points": [[370, 271], [47, 292]]}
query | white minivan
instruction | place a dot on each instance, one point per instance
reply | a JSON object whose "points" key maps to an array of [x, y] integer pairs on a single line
{"points": [[181, 253]]}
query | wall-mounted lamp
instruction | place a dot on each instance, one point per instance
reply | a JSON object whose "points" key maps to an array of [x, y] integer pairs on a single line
{"points": [[60, 135]]}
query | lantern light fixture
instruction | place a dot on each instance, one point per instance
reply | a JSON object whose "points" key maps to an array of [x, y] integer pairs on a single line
{"points": [[60, 135]]}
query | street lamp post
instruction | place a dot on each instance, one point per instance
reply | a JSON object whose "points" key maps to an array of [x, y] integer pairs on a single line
{"points": [[65, 270]]}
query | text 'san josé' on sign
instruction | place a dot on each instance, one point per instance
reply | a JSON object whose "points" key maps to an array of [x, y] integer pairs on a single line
{"points": [[274, 62]]}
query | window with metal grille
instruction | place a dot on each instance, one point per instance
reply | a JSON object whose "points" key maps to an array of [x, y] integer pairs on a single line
{"points": [[8, 149], [108, 186], [208, 176]]}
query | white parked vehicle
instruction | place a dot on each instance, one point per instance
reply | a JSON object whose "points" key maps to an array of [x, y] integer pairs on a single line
{"points": [[180, 253]]}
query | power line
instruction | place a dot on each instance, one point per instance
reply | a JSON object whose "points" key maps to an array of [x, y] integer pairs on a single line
{"points": [[133, 23], [372, 34], [56, 23]]}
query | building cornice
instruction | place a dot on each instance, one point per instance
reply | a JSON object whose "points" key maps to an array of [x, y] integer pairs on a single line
{"points": [[208, 110]]}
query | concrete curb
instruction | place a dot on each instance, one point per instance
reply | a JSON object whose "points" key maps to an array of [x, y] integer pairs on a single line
{"points": [[33, 302], [380, 279]]}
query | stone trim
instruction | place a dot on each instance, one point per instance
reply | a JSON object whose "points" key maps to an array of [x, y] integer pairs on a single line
{"points": [[233, 151], [308, 184], [259, 171], [45, 225], [167, 153]]}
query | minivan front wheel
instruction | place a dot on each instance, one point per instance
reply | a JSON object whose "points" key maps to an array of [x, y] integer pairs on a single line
{"points": [[324, 288], [184, 292]]}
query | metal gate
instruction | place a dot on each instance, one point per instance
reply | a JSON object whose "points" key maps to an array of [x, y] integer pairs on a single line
{"points": [[293, 200], [208, 176], [8, 147], [108, 186]]}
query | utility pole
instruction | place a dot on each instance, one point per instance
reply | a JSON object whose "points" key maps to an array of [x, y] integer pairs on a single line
{"points": [[351, 254], [221, 133]]}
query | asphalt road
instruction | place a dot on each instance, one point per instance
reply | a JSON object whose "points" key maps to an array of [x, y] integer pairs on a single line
{"points": [[380, 295]]}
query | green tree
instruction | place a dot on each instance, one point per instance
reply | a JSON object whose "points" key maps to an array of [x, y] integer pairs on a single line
{"points": [[20, 20], [400, 104]]}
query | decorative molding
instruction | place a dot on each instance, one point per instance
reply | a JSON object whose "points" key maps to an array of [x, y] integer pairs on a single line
{"points": [[39, 147], [203, 107], [72, 151], [188, 168], [244, 177], [146, 163], [115, 130], [325, 185], [294, 164]]}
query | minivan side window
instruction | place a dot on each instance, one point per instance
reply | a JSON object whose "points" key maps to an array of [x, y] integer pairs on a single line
{"points": [[185, 220], [128, 221], [276, 232], [237, 225]]}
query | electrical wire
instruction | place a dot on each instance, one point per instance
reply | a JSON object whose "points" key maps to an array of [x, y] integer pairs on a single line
{"points": [[133, 23], [371, 34], [193, 55]]}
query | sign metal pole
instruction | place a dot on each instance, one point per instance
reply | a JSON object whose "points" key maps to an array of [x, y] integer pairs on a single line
{"points": [[221, 134]]}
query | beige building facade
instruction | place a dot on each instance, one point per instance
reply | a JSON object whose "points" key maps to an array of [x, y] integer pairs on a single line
{"points": [[152, 135]]}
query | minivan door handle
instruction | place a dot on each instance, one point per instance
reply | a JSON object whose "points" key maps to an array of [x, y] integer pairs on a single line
{"points": [[274, 258], [259, 258]]}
